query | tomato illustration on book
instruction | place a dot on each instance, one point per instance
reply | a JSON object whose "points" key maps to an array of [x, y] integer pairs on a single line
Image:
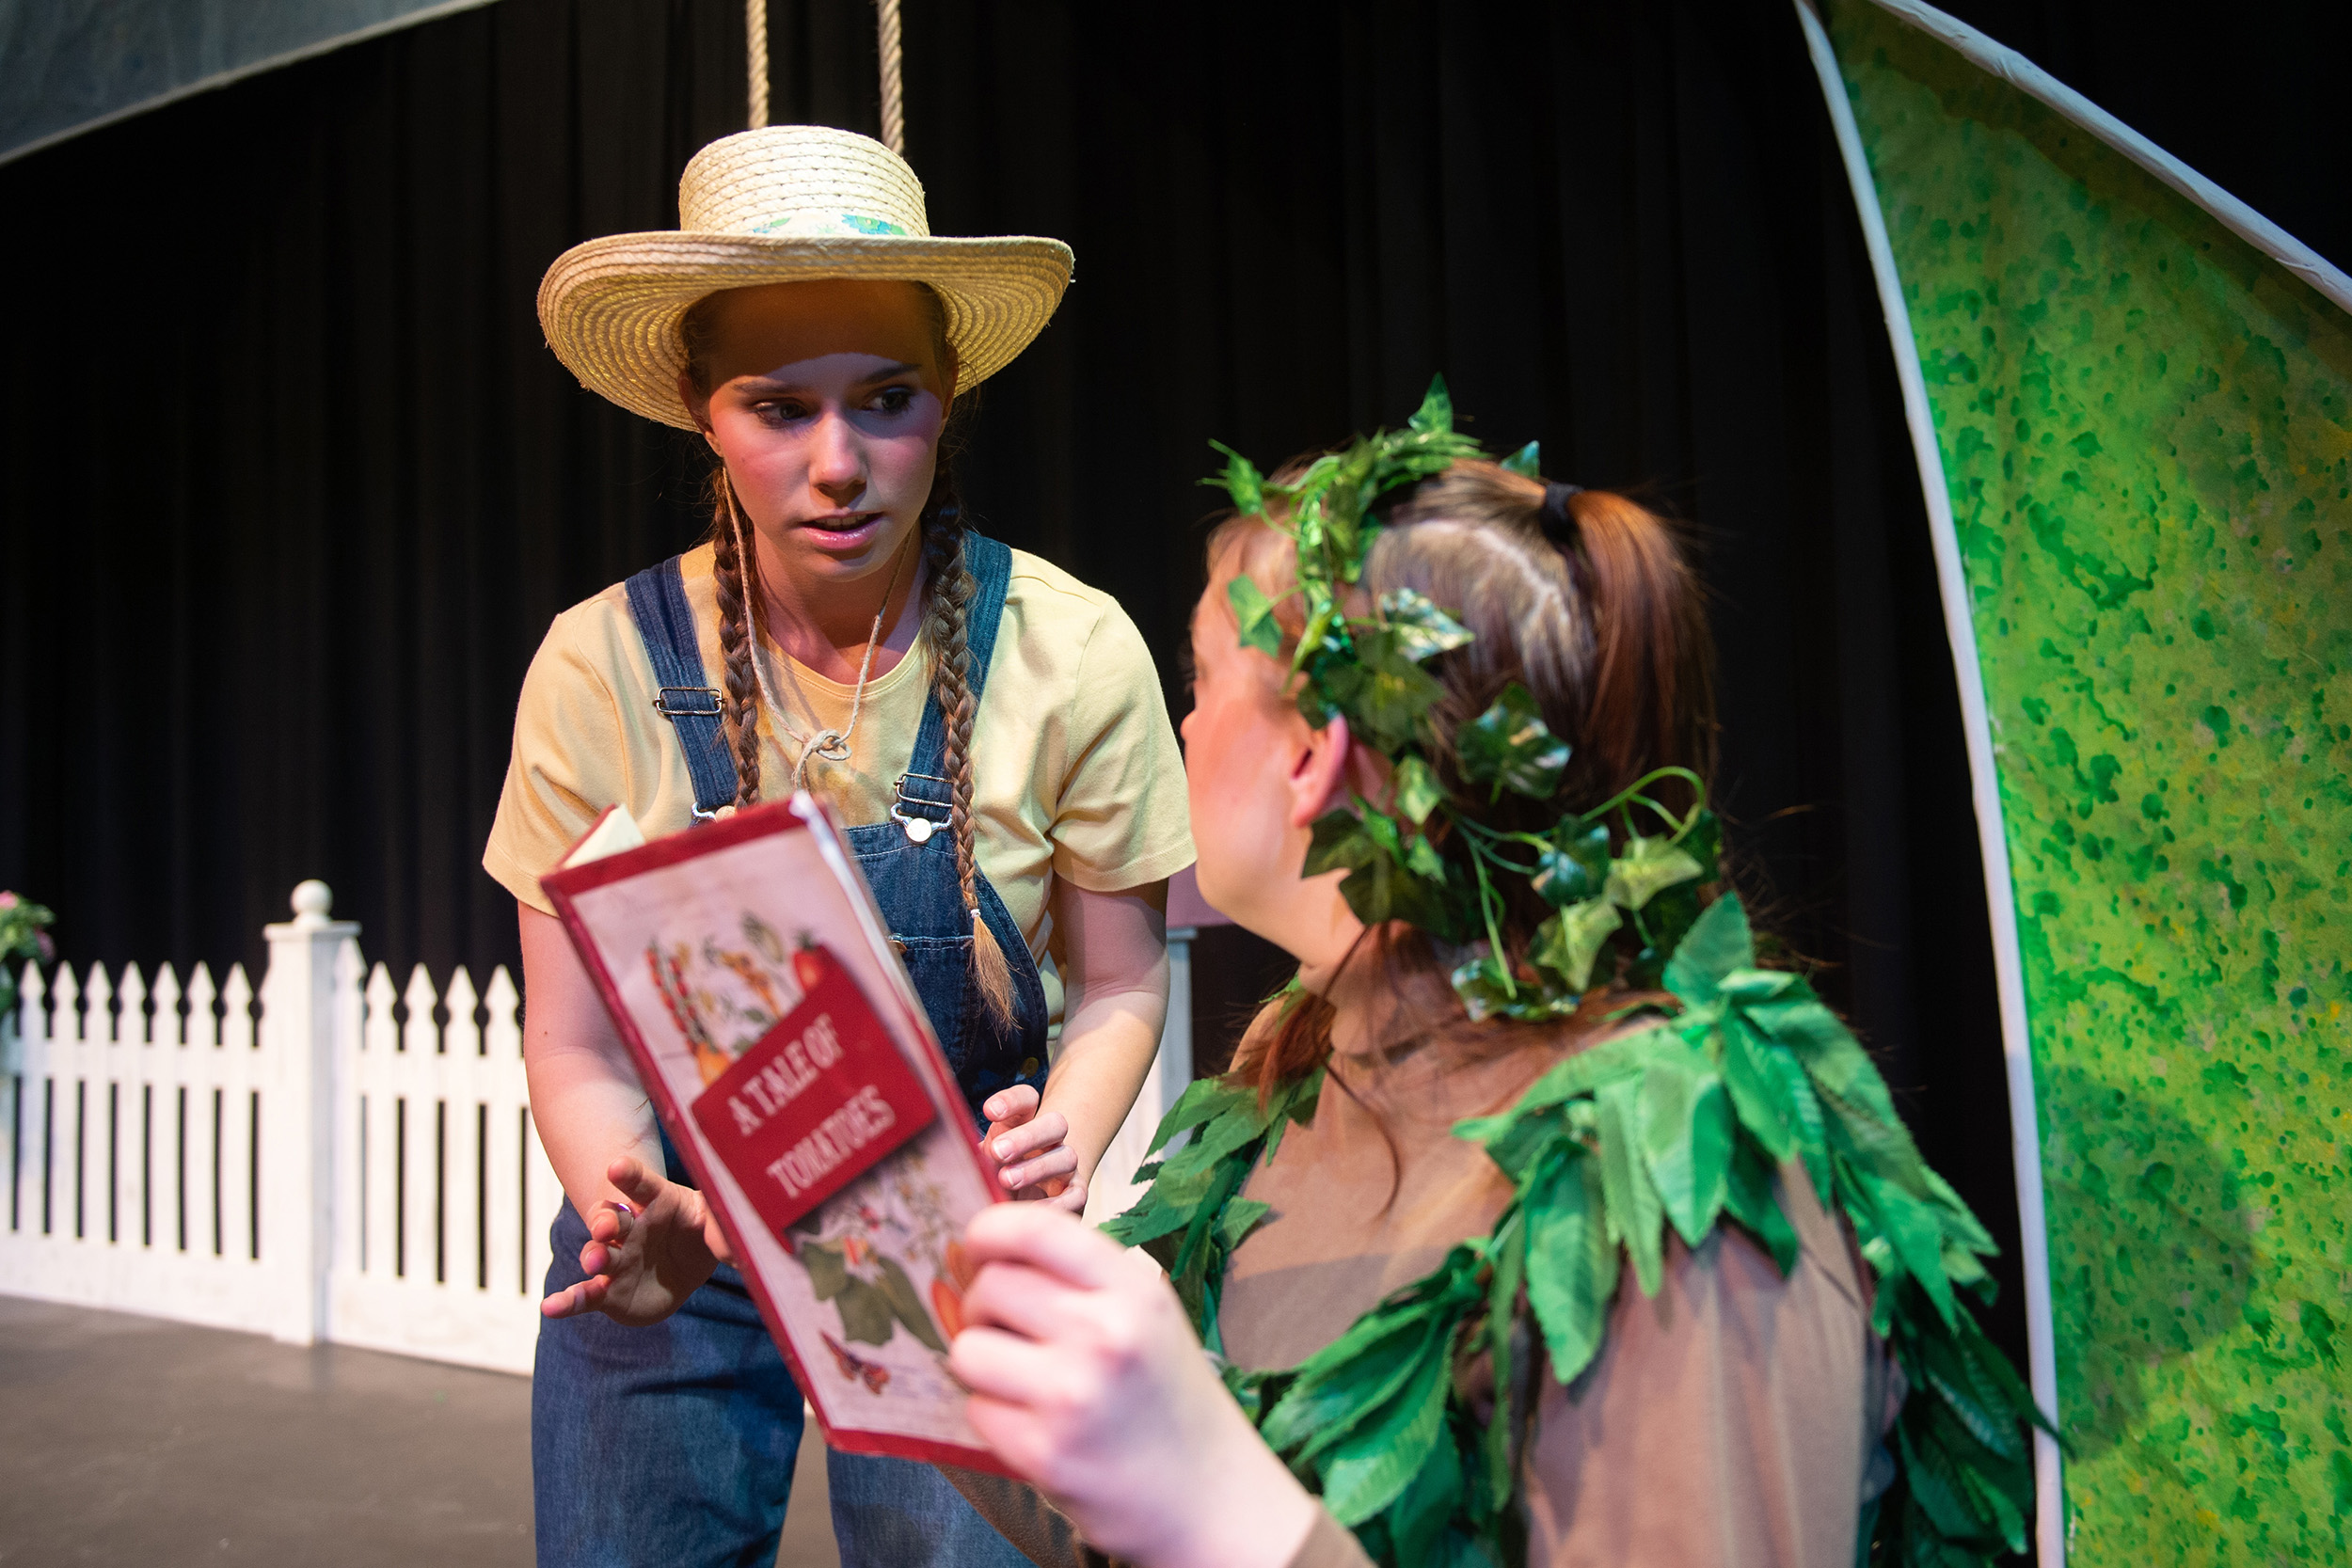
{"points": [[866, 1254], [724, 997]]}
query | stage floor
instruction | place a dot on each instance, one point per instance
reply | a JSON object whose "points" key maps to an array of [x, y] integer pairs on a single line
{"points": [[135, 1440]]}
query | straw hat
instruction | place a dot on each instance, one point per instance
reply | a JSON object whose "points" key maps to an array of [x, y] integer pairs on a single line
{"points": [[780, 205]]}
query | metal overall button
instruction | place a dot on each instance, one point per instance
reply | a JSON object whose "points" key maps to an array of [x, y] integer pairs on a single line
{"points": [[919, 828]]}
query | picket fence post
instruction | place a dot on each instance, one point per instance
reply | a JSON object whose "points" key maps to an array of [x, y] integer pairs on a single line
{"points": [[300, 1150]]}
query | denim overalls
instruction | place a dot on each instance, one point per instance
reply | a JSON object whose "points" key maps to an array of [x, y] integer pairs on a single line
{"points": [[674, 1444]]}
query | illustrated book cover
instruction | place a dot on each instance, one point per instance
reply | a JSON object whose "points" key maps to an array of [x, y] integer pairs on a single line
{"points": [[752, 974]]}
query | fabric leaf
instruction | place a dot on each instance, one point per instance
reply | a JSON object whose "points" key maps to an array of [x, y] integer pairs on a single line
{"points": [[1635, 1216], [1512, 748], [1383, 691], [1930, 1473], [1484, 989], [1241, 1217], [1435, 417], [1415, 790], [1686, 1125], [1573, 866], [1647, 867], [1756, 1093], [1423, 631], [1378, 886], [1254, 613], [1417, 1519], [1718, 944], [1967, 1385], [1368, 1474], [1567, 943], [1527, 462], [1748, 1198], [1240, 480], [1917, 1239], [1571, 1291], [1804, 1117]]}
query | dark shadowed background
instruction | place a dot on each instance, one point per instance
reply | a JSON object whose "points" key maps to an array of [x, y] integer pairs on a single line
{"points": [[289, 486]]}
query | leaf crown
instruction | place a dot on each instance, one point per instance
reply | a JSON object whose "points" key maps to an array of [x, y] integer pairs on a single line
{"points": [[1426, 858]]}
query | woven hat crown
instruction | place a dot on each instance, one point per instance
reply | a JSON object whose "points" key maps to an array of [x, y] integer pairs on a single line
{"points": [[800, 181]]}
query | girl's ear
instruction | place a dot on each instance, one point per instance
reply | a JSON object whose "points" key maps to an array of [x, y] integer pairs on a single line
{"points": [[697, 407], [1323, 772], [950, 374]]}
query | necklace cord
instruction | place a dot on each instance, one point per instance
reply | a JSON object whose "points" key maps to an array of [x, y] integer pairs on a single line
{"points": [[832, 745]]}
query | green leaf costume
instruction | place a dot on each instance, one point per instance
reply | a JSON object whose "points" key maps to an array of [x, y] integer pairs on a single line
{"points": [[1684, 1120], [1681, 1122]]}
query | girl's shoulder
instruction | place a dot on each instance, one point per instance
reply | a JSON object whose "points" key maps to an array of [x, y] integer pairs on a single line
{"points": [[1073, 636], [1047, 602], [600, 634]]}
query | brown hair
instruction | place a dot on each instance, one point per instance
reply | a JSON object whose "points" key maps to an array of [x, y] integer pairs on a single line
{"points": [[1602, 621], [948, 588]]}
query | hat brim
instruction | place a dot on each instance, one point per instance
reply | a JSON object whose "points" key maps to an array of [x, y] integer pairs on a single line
{"points": [[610, 307]]}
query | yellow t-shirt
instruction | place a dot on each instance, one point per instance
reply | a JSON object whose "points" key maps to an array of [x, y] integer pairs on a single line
{"points": [[1075, 771]]}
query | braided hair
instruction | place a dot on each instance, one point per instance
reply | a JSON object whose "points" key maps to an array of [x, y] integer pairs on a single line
{"points": [[738, 630], [947, 593]]}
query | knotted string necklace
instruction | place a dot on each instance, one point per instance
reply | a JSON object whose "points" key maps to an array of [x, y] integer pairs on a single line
{"points": [[832, 745]]}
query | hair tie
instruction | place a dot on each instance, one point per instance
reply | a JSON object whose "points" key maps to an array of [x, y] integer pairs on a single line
{"points": [[1554, 516]]}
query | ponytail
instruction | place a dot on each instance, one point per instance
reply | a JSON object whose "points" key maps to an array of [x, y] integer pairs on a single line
{"points": [[1648, 699]]}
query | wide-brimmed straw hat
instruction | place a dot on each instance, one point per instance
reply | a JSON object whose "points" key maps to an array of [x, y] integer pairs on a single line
{"points": [[785, 204]]}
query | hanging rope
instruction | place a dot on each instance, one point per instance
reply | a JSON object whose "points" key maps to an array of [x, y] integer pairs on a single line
{"points": [[756, 41], [893, 110]]}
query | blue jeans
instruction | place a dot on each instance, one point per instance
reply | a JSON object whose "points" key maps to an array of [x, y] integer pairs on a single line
{"points": [[672, 1446]]}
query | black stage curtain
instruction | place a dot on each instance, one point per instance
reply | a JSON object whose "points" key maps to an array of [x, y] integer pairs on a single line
{"points": [[289, 486]]}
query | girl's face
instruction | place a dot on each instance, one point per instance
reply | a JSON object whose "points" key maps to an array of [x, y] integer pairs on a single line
{"points": [[826, 401], [1258, 777]]}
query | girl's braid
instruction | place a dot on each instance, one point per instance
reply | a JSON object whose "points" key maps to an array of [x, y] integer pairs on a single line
{"points": [[742, 707], [948, 589]]}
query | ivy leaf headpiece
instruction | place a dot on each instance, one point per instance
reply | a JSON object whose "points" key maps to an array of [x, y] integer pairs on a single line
{"points": [[1426, 858]]}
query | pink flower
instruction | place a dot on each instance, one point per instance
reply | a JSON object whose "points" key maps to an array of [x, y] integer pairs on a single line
{"points": [[48, 948], [7, 900]]}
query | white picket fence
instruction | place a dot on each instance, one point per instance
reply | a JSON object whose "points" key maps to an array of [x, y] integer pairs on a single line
{"points": [[344, 1162], [330, 1159]]}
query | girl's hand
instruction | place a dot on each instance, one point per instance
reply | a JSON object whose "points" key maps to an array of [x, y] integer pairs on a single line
{"points": [[642, 1264], [1088, 1381], [1032, 1150]]}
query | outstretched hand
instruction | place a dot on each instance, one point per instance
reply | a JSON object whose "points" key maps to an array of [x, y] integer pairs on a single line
{"points": [[1032, 1150], [1087, 1379], [643, 1262]]}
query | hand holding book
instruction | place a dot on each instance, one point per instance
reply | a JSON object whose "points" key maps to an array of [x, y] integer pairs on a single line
{"points": [[1032, 1150]]}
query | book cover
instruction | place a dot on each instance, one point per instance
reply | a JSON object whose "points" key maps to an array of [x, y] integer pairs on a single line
{"points": [[750, 971]]}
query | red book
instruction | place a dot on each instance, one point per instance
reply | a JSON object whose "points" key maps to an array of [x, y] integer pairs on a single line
{"points": [[750, 971]]}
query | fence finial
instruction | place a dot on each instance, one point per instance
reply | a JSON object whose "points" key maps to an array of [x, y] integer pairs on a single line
{"points": [[313, 900]]}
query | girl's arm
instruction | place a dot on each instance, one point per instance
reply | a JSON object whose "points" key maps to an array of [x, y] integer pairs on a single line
{"points": [[1117, 945], [1117, 999], [650, 1242]]}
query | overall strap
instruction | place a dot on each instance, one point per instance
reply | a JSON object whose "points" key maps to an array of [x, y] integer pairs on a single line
{"points": [[656, 602], [989, 562]]}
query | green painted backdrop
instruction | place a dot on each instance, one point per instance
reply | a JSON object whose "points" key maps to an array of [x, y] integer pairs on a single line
{"points": [[2147, 432]]}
